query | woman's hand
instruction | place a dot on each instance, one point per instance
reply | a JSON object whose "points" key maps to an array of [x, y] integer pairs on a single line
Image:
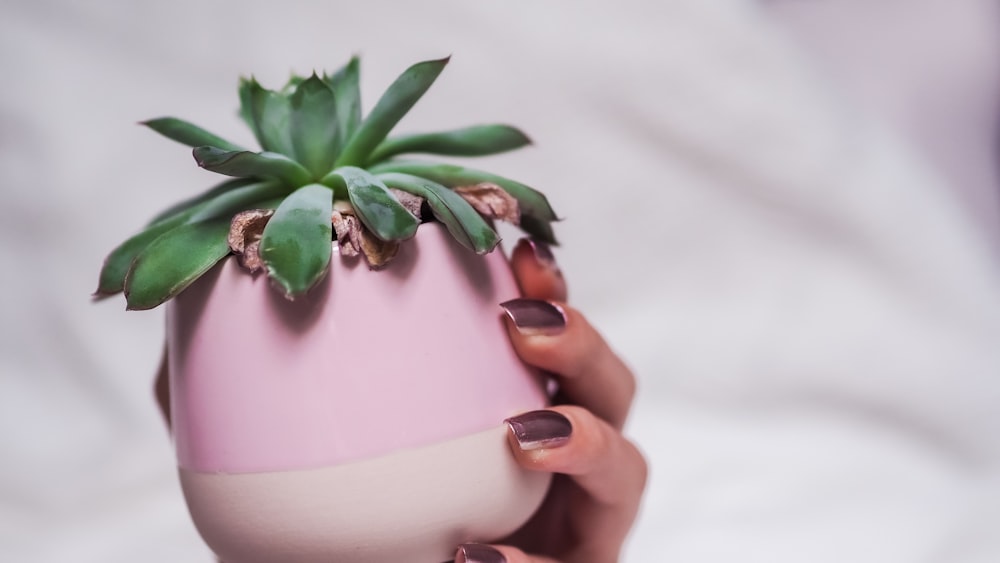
{"points": [[600, 474]]}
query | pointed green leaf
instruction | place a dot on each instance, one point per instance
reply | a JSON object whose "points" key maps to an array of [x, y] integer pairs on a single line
{"points": [[232, 202], [174, 260], [347, 91], [538, 228], [268, 114], [118, 262], [536, 213], [375, 205], [462, 221], [395, 102], [215, 202], [188, 133], [246, 88], [479, 140], [314, 130], [298, 239], [211, 193], [246, 164], [293, 82]]}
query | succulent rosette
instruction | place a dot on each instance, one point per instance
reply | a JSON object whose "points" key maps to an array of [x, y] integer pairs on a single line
{"points": [[324, 173]]}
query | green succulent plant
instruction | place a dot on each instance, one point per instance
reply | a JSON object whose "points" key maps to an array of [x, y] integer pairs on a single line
{"points": [[323, 173]]}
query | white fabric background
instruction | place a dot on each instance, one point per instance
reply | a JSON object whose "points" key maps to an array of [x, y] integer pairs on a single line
{"points": [[788, 237]]}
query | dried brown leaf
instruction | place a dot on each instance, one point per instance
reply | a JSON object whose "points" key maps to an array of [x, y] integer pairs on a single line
{"points": [[491, 201], [412, 202], [347, 228], [245, 231], [250, 259], [353, 239], [377, 252]]}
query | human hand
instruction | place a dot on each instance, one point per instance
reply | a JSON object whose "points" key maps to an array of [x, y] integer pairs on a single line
{"points": [[600, 474]]}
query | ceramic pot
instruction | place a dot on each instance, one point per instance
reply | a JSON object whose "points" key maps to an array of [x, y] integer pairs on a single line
{"points": [[361, 423]]}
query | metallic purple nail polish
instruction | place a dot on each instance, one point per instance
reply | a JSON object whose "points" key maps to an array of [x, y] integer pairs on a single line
{"points": [[533, 316], [540, 429], [479, 553], [542, 252]]}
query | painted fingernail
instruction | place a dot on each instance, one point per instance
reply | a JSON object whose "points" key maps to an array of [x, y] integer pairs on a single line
{"points": [[540, 429], [533, 316], [542, 252], [479, 553]]}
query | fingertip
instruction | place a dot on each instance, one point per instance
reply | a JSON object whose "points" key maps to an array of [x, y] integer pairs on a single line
{"points": [[535, 317], [540, 429], [479, 553], [536, 270], [482, 553], [541, 252], [161, 389], [607, 465], [561, 439]]}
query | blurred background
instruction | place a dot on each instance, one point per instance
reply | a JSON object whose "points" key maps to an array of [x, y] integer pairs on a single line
{"points": [[784, 214]]}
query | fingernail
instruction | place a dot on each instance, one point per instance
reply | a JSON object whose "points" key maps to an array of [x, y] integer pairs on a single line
{"points": [[533, 316], [542, 252], [479, 553], [540, 429]]}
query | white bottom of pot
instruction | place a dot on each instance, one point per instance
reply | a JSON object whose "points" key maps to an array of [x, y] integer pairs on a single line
{"points": [[415, 505]]}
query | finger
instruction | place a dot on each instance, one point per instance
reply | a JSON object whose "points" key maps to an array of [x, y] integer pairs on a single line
{"points": [[607, 467], [536, 270], [161, 389], [558, 339], [481, 553], [571, 440]]}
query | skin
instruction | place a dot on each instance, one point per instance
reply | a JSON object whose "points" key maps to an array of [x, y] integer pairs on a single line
{"points": [[600, 474]]}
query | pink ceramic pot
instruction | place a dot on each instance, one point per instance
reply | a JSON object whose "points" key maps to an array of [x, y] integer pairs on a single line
{"points": [[362, 423]]}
